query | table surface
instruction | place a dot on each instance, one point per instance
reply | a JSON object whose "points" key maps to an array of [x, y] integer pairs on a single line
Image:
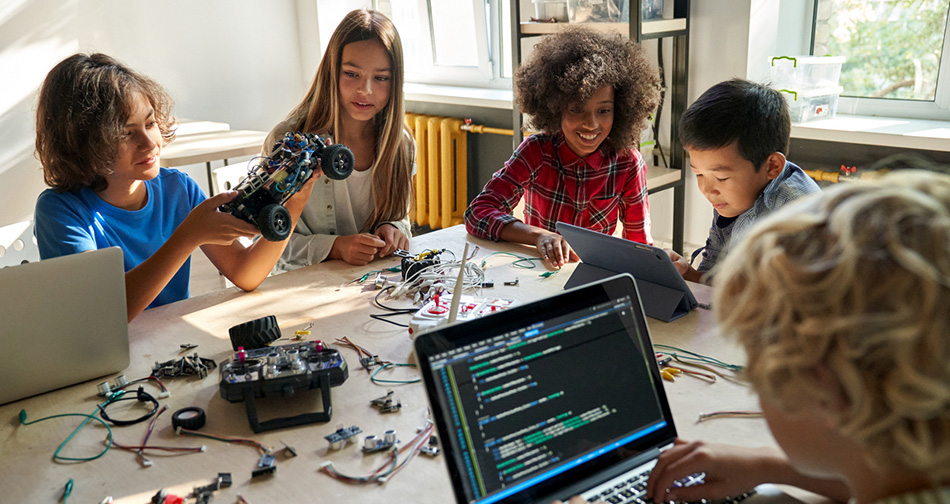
{"points": [[314, 294], [188, 127], [212, 146]]}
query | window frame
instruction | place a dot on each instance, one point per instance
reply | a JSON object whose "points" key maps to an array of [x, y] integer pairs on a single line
{"points": [[488, 32]]}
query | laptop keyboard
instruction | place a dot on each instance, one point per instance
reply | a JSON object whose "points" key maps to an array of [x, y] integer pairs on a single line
{"points": [[632, 488]]}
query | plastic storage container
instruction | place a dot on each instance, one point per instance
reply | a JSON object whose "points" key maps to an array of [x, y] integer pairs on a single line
{"points": [[813, 103], [802, 73], [594, 11], [550, 9]]}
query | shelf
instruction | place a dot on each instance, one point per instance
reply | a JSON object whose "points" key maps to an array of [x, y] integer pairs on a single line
{"points": [[658, 177], [651, 28]]}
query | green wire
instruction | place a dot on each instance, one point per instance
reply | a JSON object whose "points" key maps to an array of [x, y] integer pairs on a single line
{"points": [[68, 490], [373, 378], [699, 357], [56, 455], [521, 261]]}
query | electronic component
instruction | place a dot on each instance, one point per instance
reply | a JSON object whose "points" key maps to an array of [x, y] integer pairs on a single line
{"points": [[386, 403], [512, 282], [266, 465], [370, 362], [373, 444], [105, 389], [290, 452], [191, 418], [411, 265], [432, 448], [342, 436], [163, 497], [206, 493], [189, 365], [224, 480], [280, 371], [436, 312]]}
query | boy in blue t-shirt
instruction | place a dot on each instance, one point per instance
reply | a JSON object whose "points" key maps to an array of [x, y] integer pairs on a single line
{"points": [[100, 130], [736, 134]]}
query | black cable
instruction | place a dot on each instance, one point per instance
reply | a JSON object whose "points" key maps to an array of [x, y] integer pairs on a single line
{"points": [[395, 311], [389, 308], [140, 395], [384, 319]]}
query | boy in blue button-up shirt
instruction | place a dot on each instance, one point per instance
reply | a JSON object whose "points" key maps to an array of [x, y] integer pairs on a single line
{"points": [[736, 134]]}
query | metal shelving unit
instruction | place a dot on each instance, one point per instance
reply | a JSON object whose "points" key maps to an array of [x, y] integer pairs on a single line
{"points": [[676, 28]]}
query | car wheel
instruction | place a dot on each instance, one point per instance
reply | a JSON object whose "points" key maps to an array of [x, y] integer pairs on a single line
{"points": [[275, 222], [337, 161], [257, 333]]}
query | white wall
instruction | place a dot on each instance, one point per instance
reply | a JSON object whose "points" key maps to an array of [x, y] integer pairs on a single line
{"points": [[234, 61]]}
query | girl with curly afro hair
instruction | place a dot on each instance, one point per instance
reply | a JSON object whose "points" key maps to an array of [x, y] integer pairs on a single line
{"points": [[590, 95]]}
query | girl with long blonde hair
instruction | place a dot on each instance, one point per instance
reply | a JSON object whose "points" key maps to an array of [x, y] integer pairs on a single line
{"points": [[356, 99]]}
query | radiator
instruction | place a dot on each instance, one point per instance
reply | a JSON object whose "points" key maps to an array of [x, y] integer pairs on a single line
{"points": [[441, 185]]}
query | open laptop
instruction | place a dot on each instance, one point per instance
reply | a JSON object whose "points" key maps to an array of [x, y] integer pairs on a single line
{"points": [[547, 400], [664, 293], [62, 321]]}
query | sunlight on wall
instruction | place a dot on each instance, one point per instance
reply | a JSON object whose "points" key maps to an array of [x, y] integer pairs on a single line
{"points": [[32, 62]]}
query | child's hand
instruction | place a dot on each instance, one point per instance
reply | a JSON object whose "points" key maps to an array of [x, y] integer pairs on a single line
{"points": [[555, 250], [682, 265], [394, 240], [299, 200], [358, 249], [206, 225], [730, 471]]}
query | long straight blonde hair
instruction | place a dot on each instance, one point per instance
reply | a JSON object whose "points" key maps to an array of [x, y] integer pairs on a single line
{"points": [[320, 112]]}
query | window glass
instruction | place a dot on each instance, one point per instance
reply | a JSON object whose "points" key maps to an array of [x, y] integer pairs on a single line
{"points": [[331, 12], [453, 32], [893, 47], [407, 17]]}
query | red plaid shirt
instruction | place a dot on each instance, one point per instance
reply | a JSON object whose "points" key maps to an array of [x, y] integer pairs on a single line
{"points": [[591, 192]]}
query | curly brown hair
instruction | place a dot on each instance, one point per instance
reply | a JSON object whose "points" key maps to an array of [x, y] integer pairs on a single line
{"points": [[566, 68], [83, 106]]}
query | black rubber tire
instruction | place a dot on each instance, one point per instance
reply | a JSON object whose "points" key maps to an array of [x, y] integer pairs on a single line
{"points": [[254, 334], [275, 222], [337, 161], [191, 418]]}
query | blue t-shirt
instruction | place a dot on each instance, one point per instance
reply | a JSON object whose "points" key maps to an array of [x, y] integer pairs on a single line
{"points": [[71, 222]]}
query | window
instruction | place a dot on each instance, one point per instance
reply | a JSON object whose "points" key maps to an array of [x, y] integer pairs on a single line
{"points": [[894, 51], [455, 42]]}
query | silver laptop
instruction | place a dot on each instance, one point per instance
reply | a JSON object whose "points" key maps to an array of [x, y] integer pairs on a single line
{"points": [[558, 397], [62, 321]]}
